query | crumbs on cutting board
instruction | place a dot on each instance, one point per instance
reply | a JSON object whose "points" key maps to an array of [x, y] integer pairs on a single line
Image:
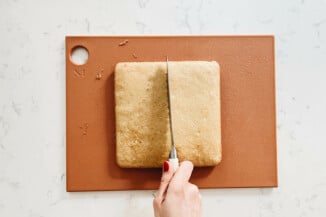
{"points": [[79, 73], [123, 42], [98, 76], [84, 128], [134, 55]]}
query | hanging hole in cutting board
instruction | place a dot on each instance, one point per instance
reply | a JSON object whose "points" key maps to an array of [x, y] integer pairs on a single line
{"points": [[79, 55]]}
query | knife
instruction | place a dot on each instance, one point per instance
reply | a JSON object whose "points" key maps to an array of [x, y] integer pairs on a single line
{"points": [[173, 157]]}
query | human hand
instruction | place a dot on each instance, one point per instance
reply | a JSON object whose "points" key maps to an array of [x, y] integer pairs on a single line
{"points": [[176, 196]]}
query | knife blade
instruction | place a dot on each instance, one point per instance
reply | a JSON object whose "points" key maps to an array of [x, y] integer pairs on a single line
{"points": [[173, 157]]}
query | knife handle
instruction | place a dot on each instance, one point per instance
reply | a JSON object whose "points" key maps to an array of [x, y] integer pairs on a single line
{"points": [[174, 163]]}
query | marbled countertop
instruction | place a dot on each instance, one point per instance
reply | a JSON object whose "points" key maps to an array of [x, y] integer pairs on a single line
{"points": [[32, 100]]}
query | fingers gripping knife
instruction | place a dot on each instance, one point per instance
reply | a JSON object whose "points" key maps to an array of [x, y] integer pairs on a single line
{"points": [[173, 158]]}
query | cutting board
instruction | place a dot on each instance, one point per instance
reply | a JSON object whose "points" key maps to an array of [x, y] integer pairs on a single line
{"points": [[247, 109]]}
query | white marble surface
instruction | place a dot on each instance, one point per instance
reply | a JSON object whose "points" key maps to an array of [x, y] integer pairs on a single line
{"points": [[32, 100]]}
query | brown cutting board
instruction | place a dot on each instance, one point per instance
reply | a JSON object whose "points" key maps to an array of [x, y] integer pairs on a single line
{"points": [[247, 110]]}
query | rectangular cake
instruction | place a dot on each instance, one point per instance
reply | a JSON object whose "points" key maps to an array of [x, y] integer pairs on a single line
{"points": [[142, 116]]}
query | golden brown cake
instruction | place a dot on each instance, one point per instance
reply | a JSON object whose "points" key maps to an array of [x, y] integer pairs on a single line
{"points": [[142, 116]]}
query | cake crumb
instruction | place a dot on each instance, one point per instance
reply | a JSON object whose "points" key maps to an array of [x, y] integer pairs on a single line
{"points": [[123, 42], [84, 129], [98, 76], [134, 55]]}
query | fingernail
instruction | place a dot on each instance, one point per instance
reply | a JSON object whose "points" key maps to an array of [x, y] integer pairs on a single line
{"points": [[166, 166]]}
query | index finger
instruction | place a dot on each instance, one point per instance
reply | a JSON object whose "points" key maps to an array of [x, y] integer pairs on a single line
{"points": [[182, 175], [165, 181]]}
